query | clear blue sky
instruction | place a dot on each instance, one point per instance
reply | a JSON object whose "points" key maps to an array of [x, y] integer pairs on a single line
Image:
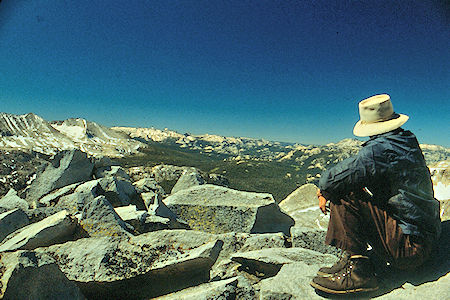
{"points": [[281, 70]]}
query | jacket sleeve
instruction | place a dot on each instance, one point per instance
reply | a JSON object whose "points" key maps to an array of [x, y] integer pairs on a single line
{"points": [[349, 175]]}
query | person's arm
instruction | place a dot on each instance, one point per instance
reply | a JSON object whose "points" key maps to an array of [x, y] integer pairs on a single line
{"points": [[349, 175]]}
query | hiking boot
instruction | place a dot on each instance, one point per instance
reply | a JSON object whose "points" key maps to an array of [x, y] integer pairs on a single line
{"points": [[357, 276], [339, 265]]}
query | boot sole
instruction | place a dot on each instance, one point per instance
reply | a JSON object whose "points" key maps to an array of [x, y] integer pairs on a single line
{"points": [[330, 291]]}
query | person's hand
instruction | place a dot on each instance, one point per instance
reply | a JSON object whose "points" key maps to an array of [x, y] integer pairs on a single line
{"points": [[322, 202]]}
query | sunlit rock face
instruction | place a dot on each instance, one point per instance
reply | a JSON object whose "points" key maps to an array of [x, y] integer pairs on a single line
{"points": [[440, 174], [217, 209]]}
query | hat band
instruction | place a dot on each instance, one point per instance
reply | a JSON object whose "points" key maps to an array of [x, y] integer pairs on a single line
{"points": [[391, 117]]}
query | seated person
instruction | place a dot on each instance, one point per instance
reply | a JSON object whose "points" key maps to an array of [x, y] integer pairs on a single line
{"points": [[382, 197]]}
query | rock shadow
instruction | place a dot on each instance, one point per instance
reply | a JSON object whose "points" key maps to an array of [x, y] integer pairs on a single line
{"points": [[437, 266]]}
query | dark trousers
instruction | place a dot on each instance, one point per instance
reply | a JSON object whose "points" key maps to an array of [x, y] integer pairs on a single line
{"points": [[356, 223]]}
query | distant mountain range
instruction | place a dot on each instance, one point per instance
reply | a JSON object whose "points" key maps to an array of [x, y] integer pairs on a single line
{"points": [[30, 132], [241, 148]]}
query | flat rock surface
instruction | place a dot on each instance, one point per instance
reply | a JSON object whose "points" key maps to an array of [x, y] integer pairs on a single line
{"points": [[291, 282], [211, 195], [310, 217], [217, 209], [139, 267], [54, 229], [302, 206], [40, 213], [303, 197], [438, 289]]}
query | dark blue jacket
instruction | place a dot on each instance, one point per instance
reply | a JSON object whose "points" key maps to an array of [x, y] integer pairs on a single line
{"points": [[392, 167]]}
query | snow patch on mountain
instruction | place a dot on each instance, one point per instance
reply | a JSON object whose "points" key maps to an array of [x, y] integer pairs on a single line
{"points": [[30, 132], [440, 175], [76, 132]]}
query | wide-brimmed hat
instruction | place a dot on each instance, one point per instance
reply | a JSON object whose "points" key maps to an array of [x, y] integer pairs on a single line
{"points": [[377, 116]]}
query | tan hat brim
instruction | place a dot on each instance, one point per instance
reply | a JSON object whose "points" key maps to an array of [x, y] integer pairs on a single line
{"points": [[369, 129]]}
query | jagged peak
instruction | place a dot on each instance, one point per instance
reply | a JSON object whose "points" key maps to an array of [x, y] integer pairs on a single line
{"points": [[30, 114], [32, 132]]}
